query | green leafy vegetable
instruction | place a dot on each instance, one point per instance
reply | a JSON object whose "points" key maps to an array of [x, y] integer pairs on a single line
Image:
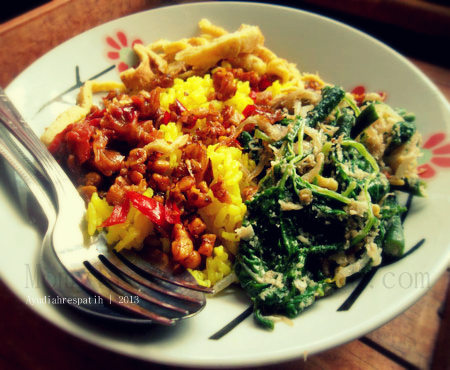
{"points": [[364, 120], [304, 227], [331, 97]]}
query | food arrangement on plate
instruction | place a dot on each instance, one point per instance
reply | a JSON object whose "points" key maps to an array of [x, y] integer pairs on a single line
{"points": [[216, 155]]}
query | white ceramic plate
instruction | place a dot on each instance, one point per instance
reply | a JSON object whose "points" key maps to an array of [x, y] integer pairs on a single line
{"points": [[341, 55]]}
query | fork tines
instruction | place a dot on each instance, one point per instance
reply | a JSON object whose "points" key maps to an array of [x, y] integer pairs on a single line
{"points": [[135, 285]]}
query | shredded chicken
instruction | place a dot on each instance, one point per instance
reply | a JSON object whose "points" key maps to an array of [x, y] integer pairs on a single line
{"points": [[275, 132], [289, 99]]}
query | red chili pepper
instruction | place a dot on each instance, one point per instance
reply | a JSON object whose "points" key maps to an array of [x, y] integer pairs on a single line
{"points": [[148, 206], [358, 90], [179, 108], [249, 110], [359, 93], [118, 215], [264, 83], [172, 213], [166, 118], [157, 213]]}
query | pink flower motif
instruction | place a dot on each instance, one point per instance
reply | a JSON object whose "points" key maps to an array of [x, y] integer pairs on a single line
{"points": [[435, 152], [122, 54]]}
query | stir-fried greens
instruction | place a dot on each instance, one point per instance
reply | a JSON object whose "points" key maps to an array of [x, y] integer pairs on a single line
{"points": [[304, 238]]}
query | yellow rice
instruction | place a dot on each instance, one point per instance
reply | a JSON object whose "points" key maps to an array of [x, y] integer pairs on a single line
{"points": [[217, 267], [223, 218], [128, 235], [171, 131]]}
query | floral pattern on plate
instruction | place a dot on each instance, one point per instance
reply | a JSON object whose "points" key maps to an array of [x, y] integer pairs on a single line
{"points": [[120, 52], [435, 155]]}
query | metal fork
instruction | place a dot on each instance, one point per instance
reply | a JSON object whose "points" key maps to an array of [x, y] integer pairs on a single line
{"points": [[124, 279]]}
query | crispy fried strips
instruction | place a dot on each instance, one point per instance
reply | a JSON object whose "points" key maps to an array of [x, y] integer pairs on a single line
{"points": [[243, 48]]}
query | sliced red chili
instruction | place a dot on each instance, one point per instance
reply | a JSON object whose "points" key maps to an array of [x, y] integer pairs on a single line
{"points": [[179, 107], [148, 206], [157, 213], [249, 110], [166, 118], [264, 83], [358, 90], [359, 93], [252, 109], [118, 215], [172, 213]]}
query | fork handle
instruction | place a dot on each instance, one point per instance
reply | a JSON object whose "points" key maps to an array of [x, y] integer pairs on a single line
{"points": [[14, 156], [17, 126]]}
